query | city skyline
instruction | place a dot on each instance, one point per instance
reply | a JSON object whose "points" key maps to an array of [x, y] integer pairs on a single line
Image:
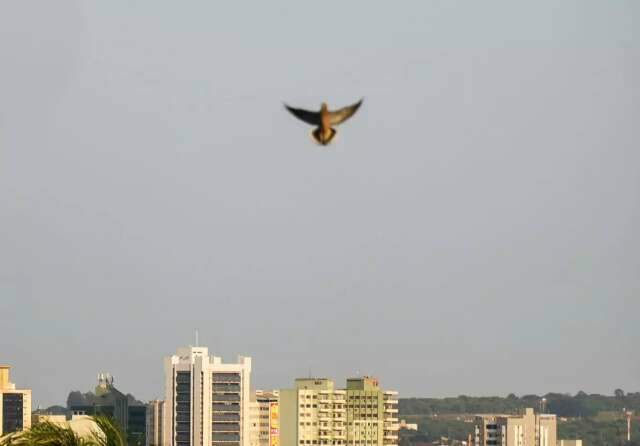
{"points": [[160, 393], [473, 231]]}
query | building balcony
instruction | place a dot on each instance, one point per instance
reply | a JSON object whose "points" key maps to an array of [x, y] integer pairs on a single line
{"points": [[225, 437], [391, 393], [225, 407], [391, 426], [390, 436], [228, 387], [390, 419], [389, 410], [225, 427], [390, 401], [225, 397], [224, 377]]}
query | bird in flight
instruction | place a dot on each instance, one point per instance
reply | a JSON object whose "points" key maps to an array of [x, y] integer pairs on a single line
{"points": [[324, 120]]}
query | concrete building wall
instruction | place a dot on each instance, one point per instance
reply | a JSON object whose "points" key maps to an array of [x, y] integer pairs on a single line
{"points": [[254, 414], [155, 419], [548, 429], [288, 417]]}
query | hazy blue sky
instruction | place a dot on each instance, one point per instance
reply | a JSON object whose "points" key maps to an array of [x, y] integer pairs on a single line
{"points": [[474, 229]]}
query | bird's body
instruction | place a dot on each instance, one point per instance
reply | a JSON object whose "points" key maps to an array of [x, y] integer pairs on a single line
{"points": [[324, 120]]}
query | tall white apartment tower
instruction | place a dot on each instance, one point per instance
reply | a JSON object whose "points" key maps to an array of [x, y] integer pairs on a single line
{"points": [[206, 401]]}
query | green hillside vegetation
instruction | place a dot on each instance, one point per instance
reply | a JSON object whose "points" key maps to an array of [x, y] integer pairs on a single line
{"points": [[563, 405], [596, 419]]}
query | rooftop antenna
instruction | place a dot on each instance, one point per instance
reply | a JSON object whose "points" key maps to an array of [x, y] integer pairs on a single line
{"points": [[197, 343]]}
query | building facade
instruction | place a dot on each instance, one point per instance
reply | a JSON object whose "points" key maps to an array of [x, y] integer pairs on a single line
{"points": [[316, 413], [372, 414], [268, 404], [528, 429], [154, 423], [15, 405], [207, 402]]}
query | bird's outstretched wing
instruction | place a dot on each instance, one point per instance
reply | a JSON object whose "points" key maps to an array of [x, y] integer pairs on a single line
{"points": [[307, 116], [341, 115]]}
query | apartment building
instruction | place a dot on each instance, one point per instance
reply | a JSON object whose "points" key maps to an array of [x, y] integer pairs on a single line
{"points": [[15, 405], [313, 413], [207, 402], [372, 414], [528, 429], [316, 413]]}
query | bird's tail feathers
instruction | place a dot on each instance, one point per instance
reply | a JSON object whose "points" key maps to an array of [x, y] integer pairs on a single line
{"points": [[321, 138]]}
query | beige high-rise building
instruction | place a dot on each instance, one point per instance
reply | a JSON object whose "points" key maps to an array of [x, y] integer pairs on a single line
{"points": [[316, 413], [207, 401], [155, 416], [528, 429], [15, 405]]}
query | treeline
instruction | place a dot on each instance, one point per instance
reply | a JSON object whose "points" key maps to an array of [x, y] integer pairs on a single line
{"points": [[563, 405]]}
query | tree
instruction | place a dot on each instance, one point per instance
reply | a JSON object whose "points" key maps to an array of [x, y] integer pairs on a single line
{"points": [[108, 433]]}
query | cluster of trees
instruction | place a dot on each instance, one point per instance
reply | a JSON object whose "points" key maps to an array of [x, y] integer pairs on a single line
{"points": [[594, 431], [563, 405]]}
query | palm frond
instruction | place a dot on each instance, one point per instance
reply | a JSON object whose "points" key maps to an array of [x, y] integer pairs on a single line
{"points": [[110, 433], [46, 434]]}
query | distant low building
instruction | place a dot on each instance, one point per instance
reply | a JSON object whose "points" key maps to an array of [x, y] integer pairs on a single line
{"points": [[109, 401], [47, 418], [528, 429], [15, 405], [408, 426], [569, 443]]}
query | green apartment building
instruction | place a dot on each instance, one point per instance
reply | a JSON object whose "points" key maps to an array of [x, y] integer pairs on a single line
{"points": [[316, 413]]}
